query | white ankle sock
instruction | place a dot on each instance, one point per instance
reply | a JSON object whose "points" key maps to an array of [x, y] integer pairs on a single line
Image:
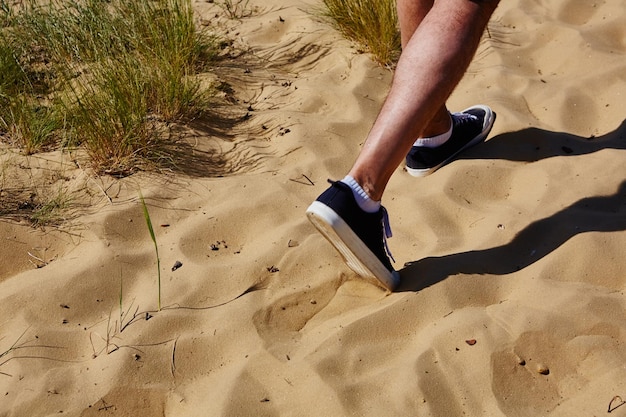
{"points": [[434, 141], [363, 200]]}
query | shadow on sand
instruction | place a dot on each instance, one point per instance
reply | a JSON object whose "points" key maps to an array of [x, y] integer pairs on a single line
{"points": [[538, 239], [534, 144]]}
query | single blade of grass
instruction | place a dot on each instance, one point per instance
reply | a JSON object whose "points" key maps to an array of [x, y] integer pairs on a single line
{"points": [[121, 299], [146, 216]]}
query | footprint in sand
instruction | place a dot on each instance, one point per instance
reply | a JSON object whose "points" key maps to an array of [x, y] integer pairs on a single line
{"points": [[280, 322]]}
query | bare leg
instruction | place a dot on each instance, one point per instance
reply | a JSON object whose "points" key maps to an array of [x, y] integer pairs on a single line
{"points": [[410, 16], [433, 62], [440, 38]]}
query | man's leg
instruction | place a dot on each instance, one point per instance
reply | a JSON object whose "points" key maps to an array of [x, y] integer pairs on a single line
{"points": [[410, 16], [445, 135], [433, 62]]}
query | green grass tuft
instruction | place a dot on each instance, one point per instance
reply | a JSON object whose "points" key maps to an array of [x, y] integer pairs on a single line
{"points": [[372, 24], [51, 211], [107, 75]]}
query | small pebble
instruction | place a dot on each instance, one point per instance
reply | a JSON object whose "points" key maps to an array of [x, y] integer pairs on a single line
{"points": [[177, 265], [543, 370]]}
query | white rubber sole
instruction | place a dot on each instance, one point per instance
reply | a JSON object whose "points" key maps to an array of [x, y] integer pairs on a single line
{"points": [[489, 120], [351, 248]]}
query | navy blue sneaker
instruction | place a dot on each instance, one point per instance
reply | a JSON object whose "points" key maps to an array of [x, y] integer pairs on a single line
{"points": [[469, 128], [360, 237]]}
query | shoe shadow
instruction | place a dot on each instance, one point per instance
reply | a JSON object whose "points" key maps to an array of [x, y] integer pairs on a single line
{"points": [[534, 144], [593, 214], [599, 213]]}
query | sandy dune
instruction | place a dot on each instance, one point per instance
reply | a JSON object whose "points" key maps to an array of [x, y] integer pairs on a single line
{"points": [[512, 301]]}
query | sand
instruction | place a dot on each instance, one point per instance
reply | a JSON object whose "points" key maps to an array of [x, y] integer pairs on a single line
{"points": [[512, 301]]}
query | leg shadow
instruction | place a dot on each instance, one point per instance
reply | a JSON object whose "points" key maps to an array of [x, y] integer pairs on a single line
{"points": [[593, 214], [534, 144]]}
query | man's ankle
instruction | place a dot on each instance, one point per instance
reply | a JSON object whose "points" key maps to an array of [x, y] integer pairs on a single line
{"points": [[435, 140], [365, 202], [439, 124]]}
